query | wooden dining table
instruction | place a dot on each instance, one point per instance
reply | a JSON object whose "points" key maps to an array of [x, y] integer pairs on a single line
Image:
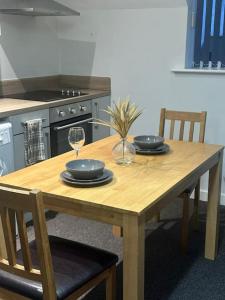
{"points": [[137, 192]]}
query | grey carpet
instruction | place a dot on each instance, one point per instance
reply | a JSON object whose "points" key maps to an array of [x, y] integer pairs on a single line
{"points": [[168, 274]]}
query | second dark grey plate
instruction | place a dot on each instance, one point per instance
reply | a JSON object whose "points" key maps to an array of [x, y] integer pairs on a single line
{"points": [[69, 179], [160, 150]]}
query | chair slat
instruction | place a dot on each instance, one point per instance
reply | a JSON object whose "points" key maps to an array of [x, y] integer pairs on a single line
{"points": [[182, 116], [12, 218], [9, 240], [24, 241], [162, 122], [3, 253], [202, 127], [191, 131], [172, 124], [43, 247], [181, 134], [9, 200]]}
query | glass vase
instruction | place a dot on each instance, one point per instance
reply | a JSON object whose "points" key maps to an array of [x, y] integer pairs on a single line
{"points": [[124, 152]]}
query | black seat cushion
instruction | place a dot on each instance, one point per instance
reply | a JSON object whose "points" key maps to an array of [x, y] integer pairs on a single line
{"points": [[74, 264]]}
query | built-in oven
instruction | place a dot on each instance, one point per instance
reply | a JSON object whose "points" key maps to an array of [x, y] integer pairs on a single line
{"points": [[62, 118]]}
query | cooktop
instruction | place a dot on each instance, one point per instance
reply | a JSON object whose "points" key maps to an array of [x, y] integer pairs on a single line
{"points": [[47, 95]]}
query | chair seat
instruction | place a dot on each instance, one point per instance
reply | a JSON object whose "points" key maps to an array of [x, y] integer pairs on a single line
{"points": [[74, 265]]}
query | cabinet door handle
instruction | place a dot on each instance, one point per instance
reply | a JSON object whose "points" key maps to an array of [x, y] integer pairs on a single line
{"points": [[96, 114]]}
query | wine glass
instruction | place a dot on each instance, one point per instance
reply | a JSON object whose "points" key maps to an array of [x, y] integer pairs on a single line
{"points": [[76, 138]]}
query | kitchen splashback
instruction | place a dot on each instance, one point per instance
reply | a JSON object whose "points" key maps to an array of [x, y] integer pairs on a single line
{"points": [[15, 86]]}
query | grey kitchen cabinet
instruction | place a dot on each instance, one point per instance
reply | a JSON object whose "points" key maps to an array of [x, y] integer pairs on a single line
{"points": [[98, 105]]}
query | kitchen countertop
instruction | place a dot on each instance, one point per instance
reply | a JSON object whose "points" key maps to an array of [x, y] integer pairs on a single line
{"points": [[9, 106]]}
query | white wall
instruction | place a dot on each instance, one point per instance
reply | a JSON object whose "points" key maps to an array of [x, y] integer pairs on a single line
{"points": [[138, 49], [28, 47]]}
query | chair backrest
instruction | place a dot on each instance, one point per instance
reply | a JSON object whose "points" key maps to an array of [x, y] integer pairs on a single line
{"points": [[183, 117], [15, 203]]}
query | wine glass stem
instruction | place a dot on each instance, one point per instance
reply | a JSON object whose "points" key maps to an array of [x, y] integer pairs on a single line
{"points": [[77, 152]]}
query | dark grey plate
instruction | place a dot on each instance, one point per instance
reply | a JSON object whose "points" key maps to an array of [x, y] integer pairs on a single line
{"points": [[160, 150], [67, 175], [104, 179]]}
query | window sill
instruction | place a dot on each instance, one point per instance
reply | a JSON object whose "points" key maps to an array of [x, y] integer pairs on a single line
{"points": [[198, 71]]}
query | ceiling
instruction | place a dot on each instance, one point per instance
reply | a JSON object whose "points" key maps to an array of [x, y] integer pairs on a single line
{"points": [[123, 4]]}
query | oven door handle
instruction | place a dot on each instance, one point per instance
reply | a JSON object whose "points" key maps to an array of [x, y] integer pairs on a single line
{"points": [[73, 124]]}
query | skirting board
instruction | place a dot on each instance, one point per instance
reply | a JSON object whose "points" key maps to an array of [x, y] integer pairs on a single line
{"points": [[204, 197]]}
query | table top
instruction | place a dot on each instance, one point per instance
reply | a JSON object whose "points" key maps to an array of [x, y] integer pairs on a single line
{"points": [[134, 188]]}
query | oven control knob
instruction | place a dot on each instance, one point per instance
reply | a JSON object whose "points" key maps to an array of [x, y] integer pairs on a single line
{"points": [[72, 111], [61, 113], [83, 108]]}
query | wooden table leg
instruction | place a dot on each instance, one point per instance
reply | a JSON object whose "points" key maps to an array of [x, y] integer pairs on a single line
{"points": [[212, 221], [133, 257]]}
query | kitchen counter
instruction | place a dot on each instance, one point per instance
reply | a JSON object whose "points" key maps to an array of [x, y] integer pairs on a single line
{"points": [[9, 107]]}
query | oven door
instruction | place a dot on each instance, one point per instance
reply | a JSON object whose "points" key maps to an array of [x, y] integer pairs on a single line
{"points": [[59, 133]]}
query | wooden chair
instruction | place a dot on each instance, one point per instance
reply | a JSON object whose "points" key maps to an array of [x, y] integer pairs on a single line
{"points": [[192, 118], [183, 117], [49, 267]]}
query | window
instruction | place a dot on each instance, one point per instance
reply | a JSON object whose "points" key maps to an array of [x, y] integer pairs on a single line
{"points": [[206, 34]]}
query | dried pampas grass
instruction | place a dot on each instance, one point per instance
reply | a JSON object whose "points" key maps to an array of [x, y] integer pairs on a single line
{"points": [[123, 114]]}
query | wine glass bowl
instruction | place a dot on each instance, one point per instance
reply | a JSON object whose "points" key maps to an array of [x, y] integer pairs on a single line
{"points": [[76, 138]]}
